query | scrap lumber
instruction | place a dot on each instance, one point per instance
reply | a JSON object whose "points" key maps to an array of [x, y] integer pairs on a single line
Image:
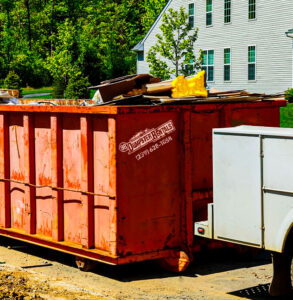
{"points": [[160, 87], [123, 85], [144, 89]]}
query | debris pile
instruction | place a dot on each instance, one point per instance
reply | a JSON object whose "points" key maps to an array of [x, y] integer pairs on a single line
{"points": [[143, 89], [7, 97], [13, 93]]}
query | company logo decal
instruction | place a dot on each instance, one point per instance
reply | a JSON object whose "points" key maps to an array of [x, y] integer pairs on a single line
{"points": [[144, 138]]}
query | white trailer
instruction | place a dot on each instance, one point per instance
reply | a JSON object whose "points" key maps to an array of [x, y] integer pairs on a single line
{"points": [[253, 194]]}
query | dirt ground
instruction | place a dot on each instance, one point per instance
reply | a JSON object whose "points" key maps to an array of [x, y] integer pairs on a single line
{"points": [[31, 272]]}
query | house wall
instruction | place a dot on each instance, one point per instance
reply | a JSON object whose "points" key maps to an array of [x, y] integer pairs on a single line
{"points": [[273, 49], [142, 66]]}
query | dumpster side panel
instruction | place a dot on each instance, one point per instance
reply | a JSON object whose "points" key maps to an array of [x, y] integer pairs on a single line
{"points": [[72, 178], [17, 171], [201, 142], [101, 183], [5, 203], [150, 198], [262, 116], [202, 124], [44, 204]]}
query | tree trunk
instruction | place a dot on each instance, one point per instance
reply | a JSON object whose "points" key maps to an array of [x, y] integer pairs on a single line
{"points": [[27, 5], [51, 28]]}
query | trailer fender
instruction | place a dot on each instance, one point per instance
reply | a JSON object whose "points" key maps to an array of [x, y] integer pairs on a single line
{"points": [[285, 228]]}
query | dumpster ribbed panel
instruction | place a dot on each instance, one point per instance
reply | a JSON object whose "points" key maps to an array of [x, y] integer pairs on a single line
{"points": [[115, 184], [5, 206]]}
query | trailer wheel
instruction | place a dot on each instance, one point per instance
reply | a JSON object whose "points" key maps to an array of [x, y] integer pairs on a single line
{"points": [[281, 283], [84, 264], [177, 262]]}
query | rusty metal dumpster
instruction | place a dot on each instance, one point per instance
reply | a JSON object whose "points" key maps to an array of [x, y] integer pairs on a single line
{"points": [[113, 184]]}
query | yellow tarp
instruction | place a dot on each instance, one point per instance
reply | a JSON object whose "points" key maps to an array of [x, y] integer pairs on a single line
{"points": [[194, 86]]}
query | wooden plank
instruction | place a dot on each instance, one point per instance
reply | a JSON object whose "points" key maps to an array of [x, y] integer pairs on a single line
{"points": [[5, 215], [160, 87]]}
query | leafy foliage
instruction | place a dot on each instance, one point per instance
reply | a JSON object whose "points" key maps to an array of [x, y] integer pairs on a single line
{"points": [[289, 95], [152, 11], [47, 41], [12, 81], [175, 46], [77, 88], [59, 87]]}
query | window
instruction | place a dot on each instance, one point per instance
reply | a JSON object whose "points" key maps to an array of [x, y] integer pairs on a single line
{"points": [[251, 63], [227, 64], [251, 9], [208, 64], [191, 15], [140, 56], [209, 12], [227, 11]]}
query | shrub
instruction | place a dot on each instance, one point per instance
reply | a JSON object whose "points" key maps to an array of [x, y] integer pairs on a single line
{"points": [[59, 87], [12, 81], [289, 95], [77, 88]]}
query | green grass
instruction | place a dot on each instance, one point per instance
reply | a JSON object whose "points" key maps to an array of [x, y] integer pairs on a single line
{"points": [[42, 97], [286, 116], [28, 91], [31, 91]]}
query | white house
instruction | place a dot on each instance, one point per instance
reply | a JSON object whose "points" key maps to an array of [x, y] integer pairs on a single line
{"points": [[247, 44]]}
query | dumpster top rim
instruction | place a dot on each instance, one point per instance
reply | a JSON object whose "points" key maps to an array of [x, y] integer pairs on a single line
{"points": [[114, 110]]}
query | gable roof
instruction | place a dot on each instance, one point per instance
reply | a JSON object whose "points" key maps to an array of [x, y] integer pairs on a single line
{"points": [[140, 45]]}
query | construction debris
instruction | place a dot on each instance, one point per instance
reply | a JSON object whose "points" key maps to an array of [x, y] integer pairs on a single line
{"points": [[144, 89], [127, 86], [194, 86], [12, 93], [7, 98], [160, 87]]}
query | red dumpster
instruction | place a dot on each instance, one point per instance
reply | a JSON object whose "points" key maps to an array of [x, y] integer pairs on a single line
{"points": [[113, 184]]}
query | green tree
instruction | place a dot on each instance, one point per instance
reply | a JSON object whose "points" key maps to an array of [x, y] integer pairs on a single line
{"points": [[175, 46], [59, 88], [12, 81], [64, 61], [47, 41], [289, 95], [152, 9], [118, 30], [77, 88]]}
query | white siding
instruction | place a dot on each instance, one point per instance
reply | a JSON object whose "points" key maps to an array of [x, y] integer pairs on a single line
{"points": [[273, 49], [142, 66]]}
